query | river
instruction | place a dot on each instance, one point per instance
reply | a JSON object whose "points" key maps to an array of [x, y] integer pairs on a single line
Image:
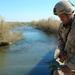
{"points": [[28, 56]]}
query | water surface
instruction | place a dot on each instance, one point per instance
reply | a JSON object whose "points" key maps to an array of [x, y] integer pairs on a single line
{"points": [[28, 56]]}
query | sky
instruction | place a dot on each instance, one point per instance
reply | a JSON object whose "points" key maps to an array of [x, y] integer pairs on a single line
{"points": [[27, 10]]}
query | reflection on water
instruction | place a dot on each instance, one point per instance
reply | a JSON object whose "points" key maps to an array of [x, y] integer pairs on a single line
{"points": [[27, 57], [2, 61], [3, 57]]}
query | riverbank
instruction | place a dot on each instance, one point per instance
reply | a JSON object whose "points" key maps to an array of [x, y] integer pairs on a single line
{"points": [[14, 36], [6, 33], [49, 26], [14, 24]]}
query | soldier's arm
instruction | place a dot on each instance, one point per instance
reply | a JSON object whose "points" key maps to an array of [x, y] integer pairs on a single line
{"points": [[61, 43]]}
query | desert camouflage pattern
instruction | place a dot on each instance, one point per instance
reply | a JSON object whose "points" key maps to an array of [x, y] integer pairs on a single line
{"points": [[66, 42]]}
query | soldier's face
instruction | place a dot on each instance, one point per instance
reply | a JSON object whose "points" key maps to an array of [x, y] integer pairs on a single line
{"points": [[63, 18]]}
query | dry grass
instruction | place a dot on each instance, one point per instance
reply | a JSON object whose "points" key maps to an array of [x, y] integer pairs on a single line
{"points": [[15, 24], [13, 37], [6, 35], [49, 26]]}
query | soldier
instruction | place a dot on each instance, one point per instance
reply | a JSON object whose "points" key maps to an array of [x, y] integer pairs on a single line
{"points": [[66, 37]]}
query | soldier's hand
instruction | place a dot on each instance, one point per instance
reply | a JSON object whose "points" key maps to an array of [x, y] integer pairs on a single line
{"points": [[62, 56], [65, 69], [62, 53]]}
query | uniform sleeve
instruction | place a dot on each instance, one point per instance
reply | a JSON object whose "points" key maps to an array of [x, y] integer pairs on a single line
{"points": [[71, 63], [61, 43]]}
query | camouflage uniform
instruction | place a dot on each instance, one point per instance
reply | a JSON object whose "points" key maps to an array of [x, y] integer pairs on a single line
{"points": [[66, 42], [66, 34]]}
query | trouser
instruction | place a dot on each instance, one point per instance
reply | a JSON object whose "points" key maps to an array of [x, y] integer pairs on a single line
{"points": [[59, 72]]}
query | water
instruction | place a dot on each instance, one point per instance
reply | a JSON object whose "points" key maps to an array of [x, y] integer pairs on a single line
{"points": [[28, 56]]}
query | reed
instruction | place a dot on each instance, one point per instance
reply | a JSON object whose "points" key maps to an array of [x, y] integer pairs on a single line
{"points": [[6, 35], [50, 25]]}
